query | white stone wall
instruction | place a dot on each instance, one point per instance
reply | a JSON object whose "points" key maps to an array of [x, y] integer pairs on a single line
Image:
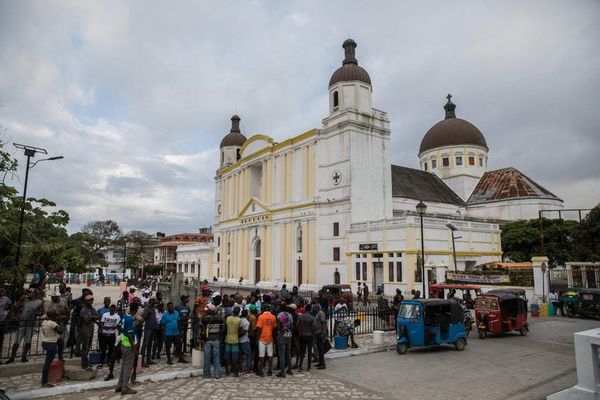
{"points": [[513, 209], [196, 254]]}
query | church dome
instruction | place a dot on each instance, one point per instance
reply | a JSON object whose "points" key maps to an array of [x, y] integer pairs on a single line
{"points": [[452, 131], [349, 71], [234, 137]]}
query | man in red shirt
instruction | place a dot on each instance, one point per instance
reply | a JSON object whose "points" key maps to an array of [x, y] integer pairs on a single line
{"points": [[265, 325]]}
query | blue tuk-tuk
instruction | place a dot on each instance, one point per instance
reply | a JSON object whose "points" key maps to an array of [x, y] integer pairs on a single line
{"points": [[430, 322]]}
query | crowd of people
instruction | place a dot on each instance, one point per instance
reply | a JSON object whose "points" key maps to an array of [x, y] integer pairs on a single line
{"points": [[237, 334]]}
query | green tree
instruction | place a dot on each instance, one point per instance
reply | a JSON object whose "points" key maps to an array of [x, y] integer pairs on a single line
{"points": [[45, 237], [94, 236], [588, 240], [521, 240]]}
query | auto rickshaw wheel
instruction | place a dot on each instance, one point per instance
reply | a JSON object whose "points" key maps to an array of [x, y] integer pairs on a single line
{"points": [[401, 348], [523, 331], [460, 344], [481, 334]]}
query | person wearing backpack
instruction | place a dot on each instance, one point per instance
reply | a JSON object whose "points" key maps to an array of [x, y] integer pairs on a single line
{"points": [[211, 327], [285, 326]]}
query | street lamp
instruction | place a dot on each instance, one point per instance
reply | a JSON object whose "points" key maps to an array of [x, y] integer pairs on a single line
{"points": [[453, 228], [29, 151], [421, 209]]}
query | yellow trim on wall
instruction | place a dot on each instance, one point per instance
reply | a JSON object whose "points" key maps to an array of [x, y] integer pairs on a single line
{"points": [[274, 147], [429, 252], [249, 202], [254, 138]]}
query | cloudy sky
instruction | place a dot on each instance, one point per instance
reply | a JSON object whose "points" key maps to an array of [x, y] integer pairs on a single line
{"points": [[137, 95]]}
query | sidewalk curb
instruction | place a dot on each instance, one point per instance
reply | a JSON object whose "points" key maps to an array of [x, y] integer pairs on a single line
{"points": [[80, 387], [160, 376]]}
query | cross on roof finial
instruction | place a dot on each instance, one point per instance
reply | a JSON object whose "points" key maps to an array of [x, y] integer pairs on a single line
{"points": [[449, 96]]}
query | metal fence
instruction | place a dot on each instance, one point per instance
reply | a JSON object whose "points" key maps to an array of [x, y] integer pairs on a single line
{"points": [[372, 318], [12, 332]]}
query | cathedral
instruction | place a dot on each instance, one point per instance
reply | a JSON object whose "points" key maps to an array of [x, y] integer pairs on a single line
{"points": [[327, 206]]}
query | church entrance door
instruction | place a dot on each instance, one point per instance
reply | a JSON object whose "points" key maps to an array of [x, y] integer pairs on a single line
{"points": [[256, 271], [299, 268]]}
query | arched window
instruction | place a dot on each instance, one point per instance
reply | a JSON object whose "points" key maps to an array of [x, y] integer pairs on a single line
{"points": [[336, 278], [257, 249], [299, 238], [336, 100]]}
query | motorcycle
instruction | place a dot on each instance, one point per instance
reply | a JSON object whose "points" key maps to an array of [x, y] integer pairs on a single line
{"points": [[468, 322]]}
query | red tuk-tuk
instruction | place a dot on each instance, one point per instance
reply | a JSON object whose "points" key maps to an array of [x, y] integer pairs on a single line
{"points": [[333, 293], [501, 312]]}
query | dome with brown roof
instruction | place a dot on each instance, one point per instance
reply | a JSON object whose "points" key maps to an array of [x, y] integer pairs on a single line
{"points": [[350, 70], [234, 137], [452, 131]]}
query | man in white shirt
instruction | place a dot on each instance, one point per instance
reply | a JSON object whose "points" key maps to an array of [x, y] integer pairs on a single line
{"points": [[108, 326]]}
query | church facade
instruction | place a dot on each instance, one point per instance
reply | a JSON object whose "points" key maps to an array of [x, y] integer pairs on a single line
{"points": [[327, 206]]}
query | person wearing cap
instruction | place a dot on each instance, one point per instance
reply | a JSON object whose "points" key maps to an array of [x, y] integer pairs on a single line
{"points": [[29, 307], [62, 317], [211, 329], [89, 316]]}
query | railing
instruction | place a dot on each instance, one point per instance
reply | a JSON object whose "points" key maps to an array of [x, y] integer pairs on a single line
{"points": [[9, 331], [372, 318]]}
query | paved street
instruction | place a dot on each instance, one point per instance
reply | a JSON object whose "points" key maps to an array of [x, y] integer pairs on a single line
{"points": [[497, 368]]}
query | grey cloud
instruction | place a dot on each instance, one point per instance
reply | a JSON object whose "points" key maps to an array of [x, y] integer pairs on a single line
{"points": [[118, 87]]}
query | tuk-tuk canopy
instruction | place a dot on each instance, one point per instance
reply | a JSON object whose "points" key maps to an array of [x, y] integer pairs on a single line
{"points": [[439, 308], [510, 303]]}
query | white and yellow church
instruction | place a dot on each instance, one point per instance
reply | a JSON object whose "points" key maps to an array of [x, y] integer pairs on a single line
{"points": [[327, 206]]}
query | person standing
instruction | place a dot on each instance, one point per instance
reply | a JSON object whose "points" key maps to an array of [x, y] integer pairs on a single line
{"points": [[150, 327], [211, 328], [30, 308], [51, 332], [123, 303], [253, 335], [245, 347], [62, 318], [89, 316], [170, 324], [233, 325], [101, 311], [285, 326], [159, 336], [5, 304], [320, 334], [184, 318], [553, 298], [127, 341], [265, 325], [107, 335], [358, 292], [366, 294], [307, 326]]}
